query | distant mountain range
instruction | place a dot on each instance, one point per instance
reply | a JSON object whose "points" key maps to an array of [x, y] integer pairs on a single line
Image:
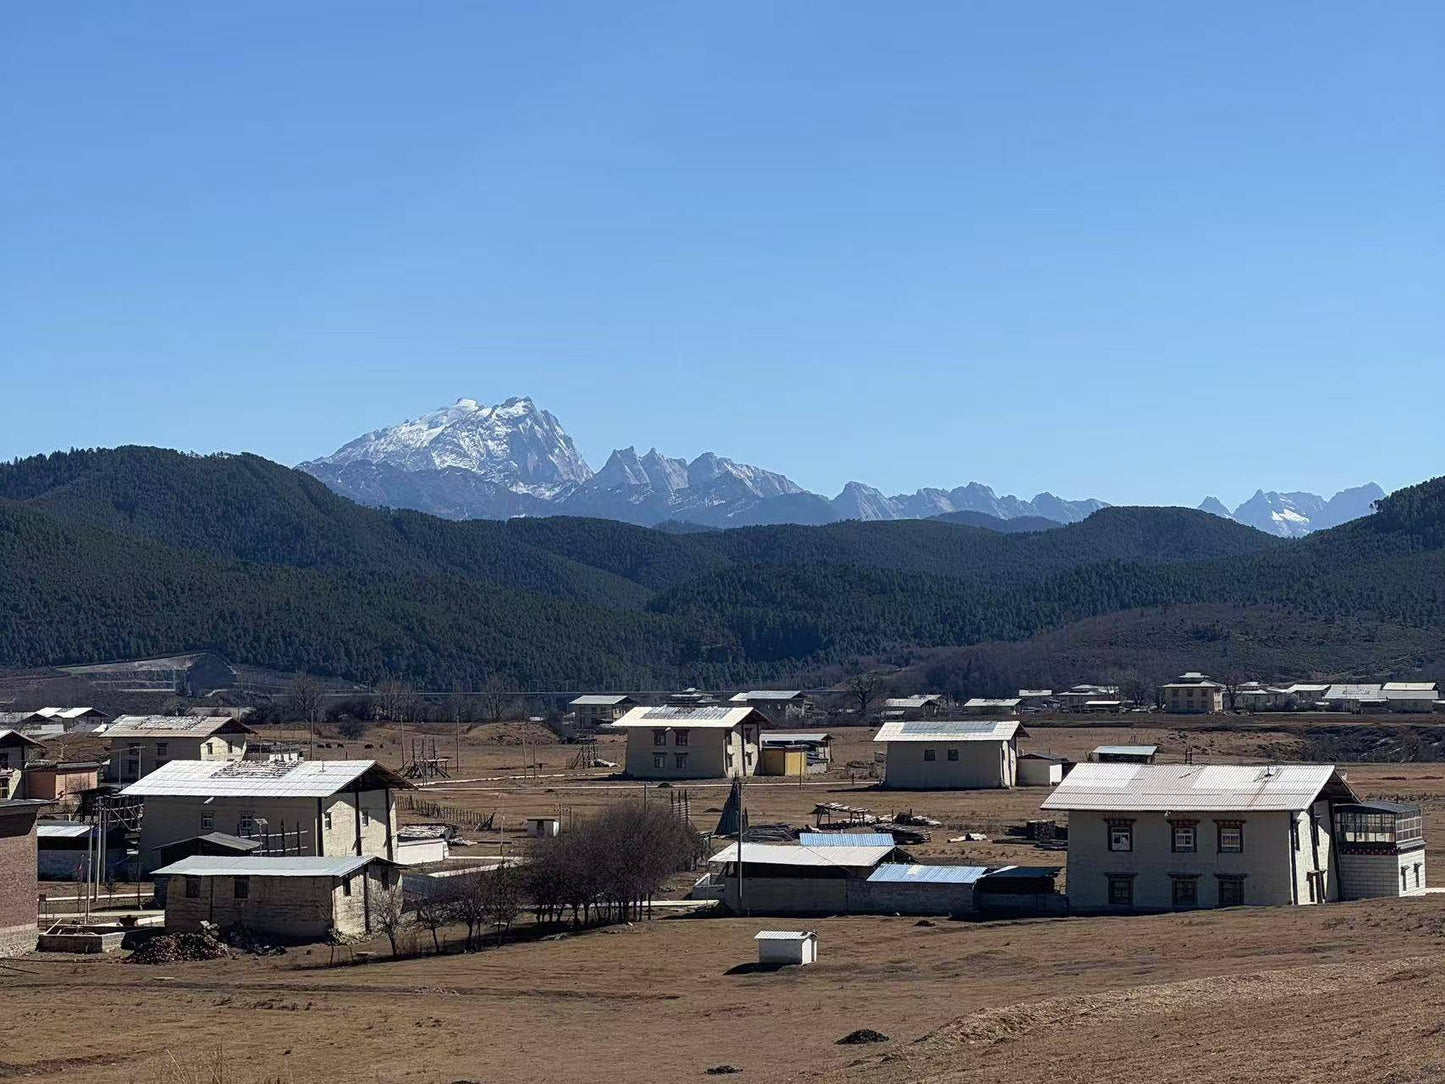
{"points": [[470, 461], [1293, 515]]}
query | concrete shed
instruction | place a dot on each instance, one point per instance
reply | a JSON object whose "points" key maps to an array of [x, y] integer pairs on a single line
{"points": [[787, 947], [300, 899], [1038, 770]]}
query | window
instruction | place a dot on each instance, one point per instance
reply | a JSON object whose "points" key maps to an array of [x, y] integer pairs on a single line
{"points": [[163, 748], [680, 737], [659, 737], [1403, 886], [1417, 874], [1185, 837], [365, 819], [1231, 837], [953, 754], [680, 761], [659, 760], [208, 821], [1231, 891], [326, 819], [1185, 891], [346, 886], [1121, 836], [193, 888], [930, 754], [206, 750], [243, 888], [1293, 834], [246, 824], [1121, 890]]}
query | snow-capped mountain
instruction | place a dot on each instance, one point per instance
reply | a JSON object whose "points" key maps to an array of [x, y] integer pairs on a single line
{"points": [[1293, 515], [858, 501], [513, 445], [469, 461]]}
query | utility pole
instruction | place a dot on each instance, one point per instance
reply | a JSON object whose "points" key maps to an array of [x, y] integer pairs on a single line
{"points": [[742, 831]]}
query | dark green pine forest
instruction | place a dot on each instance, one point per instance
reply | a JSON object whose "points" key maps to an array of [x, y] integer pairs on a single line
{"points": [[139, 551]]}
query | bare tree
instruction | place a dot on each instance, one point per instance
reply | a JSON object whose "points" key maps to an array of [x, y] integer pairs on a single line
{"points": [[434, 912], [305, 698], [864, 689], [503, 897], [396, 700], [390, 915]]}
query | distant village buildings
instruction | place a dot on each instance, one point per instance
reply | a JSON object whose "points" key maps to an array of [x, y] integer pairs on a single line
{"points": [[600, 709], [1193, 694], [781, 707]]}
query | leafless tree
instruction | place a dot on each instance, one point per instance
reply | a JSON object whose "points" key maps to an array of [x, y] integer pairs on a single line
{"points": [[305, 698], [390, 915], [863, 689], [397, 700], [434, 912]]}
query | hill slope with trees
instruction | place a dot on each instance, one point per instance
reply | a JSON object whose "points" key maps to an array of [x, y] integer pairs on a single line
{"points": [[137, 551]]}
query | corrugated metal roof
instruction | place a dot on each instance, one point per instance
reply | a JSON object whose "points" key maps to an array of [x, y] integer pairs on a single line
{"points": [[701, 717], [206, 865], [254, 778], [1354, 692], [170, 726], [785, 854], [1307, 687], [986, 702], [918, 873], [1409, 686], [783, 935], [62, 831], [765, 694], [845, 839], [788, 737], [1008, 873], [598, 700], [1127, 750], [1029, 693], [911, 701], [949, 730], [1192, 787]]}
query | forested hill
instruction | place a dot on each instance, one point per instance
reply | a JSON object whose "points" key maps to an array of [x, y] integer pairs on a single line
{"points": [[137, 551]]}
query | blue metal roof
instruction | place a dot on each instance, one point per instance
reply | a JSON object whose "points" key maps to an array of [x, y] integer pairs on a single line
{"points": [[845, 839], [917, 873]]}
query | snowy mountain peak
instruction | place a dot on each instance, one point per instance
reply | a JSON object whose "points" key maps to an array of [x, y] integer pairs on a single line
{"points": [[512, 444], [1293, 515]]}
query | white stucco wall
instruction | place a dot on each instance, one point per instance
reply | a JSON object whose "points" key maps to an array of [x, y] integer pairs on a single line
{"points": [[980, 764]]}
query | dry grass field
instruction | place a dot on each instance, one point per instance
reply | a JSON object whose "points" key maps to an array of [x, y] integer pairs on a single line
{"points": [[1348, 991]]}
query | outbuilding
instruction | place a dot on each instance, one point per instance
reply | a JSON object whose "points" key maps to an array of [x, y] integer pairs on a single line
{"points": [[600, 709], [1124, 754], [983, 705], [795, 753], [1040, 770], [958, 755], [301, 899], [787, 947], [783, 707]]}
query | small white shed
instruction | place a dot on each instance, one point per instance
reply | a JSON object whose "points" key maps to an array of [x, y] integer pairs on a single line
{"points": [[787, 947], [418, 852], [543, 827], [1036, 770]]}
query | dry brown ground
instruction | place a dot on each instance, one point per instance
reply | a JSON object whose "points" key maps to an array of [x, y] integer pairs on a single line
{"points": [[1349, 991]]}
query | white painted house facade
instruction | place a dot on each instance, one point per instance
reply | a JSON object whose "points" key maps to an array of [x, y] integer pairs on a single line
{"points": [[950, 755], [1161, 837], [678, 742]]}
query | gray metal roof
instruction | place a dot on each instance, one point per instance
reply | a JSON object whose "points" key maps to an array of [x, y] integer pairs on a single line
{"points": [[206, 865], [918, 873], [784, 935], [792, 737], [784, 854], [258, 778], [1355, 692], [62, 831], [765, 694], [598, 700], [1127, 750], [912, 701], [172, 726], [949, 730], [1210, 788], [990, 702], [1409, 686], [717, 716], [845, 839]]}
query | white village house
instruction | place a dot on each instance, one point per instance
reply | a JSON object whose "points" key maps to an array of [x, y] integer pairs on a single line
{"points": [[784, 707], [139, 744], [678, 742], [950, 755], [600, 709], [1159, 837], [294, 807]]}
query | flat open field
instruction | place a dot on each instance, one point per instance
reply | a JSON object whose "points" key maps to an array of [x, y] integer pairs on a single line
{"points": [[1348, 991]]}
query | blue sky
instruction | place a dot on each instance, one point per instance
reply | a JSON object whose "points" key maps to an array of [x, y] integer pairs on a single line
{"points": [[1138, 251]]}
